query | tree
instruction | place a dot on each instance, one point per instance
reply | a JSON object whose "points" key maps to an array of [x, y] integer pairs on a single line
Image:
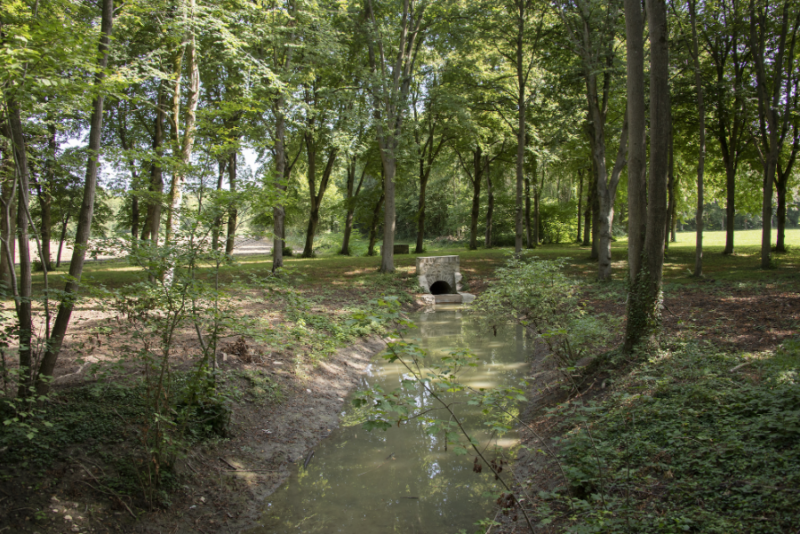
{"points": [[56, 337], [389, 86], [721, 27], [701, 160], [772, 41], [644, 294], [592, 28]]}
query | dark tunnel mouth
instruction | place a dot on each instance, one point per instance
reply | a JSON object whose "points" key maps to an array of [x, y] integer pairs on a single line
{"points": [[440, 288]]}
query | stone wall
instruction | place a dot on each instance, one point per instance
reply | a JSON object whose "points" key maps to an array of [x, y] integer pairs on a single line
{"points": [[432, 269]]}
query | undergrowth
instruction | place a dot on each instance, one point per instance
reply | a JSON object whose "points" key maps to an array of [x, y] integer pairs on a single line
{"points": [[690, 440]]}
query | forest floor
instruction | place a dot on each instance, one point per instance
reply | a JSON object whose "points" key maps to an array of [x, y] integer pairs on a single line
{"points": [[289, 361]]}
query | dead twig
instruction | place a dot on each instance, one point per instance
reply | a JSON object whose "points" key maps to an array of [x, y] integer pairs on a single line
{"points": [[107, 491], [226, 462]]}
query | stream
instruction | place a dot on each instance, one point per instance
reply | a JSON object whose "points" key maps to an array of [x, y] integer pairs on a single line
{"points": [[402, 480]]}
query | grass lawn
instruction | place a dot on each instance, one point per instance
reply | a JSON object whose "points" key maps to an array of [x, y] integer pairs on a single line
{"points": [[333, 271]]}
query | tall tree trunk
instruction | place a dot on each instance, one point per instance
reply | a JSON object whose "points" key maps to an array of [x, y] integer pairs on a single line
{"points": [[62, 239], [23, 303], [770, 123], [152, 223], [45, 205], [780, 243], [423, 191], [588, 217], [373, 229], [352, 194], [44, 191], [528, 236], [521, 125], [673, 218], [233, 213], [8, 211], [86, 212], [389, 102], [183, 145], [389, 220], [487, 242], [313, 217], [537, 219], [637, 167], [477, 180], [216, 228], [730, 208], [784, 172], [278, 211], [670, 188], [316, 193], [701, 157], [580, 206], [643, 313]]}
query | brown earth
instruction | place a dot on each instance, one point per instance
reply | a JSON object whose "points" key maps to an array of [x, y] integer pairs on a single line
{"points": [[223, 484]]}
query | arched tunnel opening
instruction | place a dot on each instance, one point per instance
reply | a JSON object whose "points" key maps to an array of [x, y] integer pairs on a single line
{"points": [[440, 288]]}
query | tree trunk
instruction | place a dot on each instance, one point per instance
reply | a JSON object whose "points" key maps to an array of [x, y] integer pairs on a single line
{"points": [[643, 313], [387, 248], [152, 224], [316, 194], [528, 236], [373, 230], [537, 221], [230, 240], [45, 205], [23, 303], [701, 158], [184, 145], [580, 202], [637, 167], [780, 244], [670, 188], [423, 191], [588, 217], [216, 228], [595, 210], [477, 180], [86, 213], [487, 242], [64, 226], [278, 211], [521, 125], [8, 212], [45, 197], [352, 194], [730, 207], [768, 106]]}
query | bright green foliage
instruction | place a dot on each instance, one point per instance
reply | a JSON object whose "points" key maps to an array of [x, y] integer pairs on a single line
{"points": [[538, 295], [692, 441]]}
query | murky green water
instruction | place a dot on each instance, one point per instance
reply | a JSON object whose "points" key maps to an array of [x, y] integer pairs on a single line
{"points": [[401, 480]]}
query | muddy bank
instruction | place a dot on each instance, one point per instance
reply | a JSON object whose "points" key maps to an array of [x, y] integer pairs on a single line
{"points": [[221, 485], [227, 483]]}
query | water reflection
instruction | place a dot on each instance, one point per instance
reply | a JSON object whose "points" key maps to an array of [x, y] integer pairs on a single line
{"points": [[401, 480]]}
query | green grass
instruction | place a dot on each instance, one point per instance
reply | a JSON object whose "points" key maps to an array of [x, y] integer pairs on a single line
{"points": [[333, 272]]}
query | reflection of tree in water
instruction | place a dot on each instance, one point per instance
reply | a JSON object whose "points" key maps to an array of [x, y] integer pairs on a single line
{"points": [[401, 480]]}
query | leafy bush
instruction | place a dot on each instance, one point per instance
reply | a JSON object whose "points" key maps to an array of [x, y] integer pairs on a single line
{"points": [[538, 295], [558, 221]]}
